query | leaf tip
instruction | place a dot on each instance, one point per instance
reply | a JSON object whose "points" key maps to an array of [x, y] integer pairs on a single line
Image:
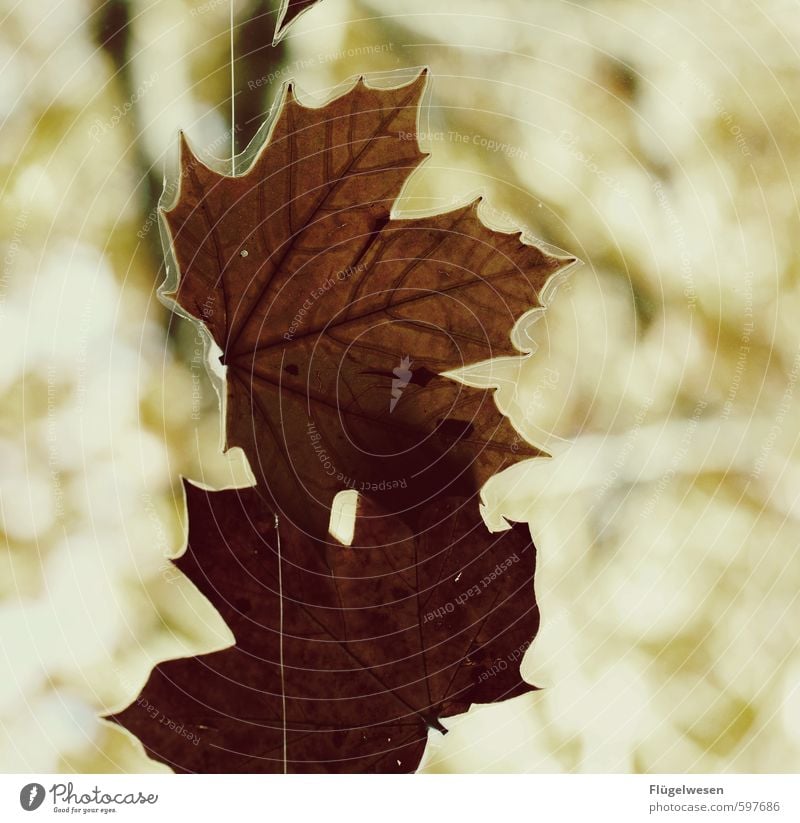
{"points": [[186, 153], [421, 80], [564, 262]]}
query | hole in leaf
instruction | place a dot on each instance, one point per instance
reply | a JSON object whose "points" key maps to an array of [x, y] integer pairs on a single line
{"points": [[342, 524]]}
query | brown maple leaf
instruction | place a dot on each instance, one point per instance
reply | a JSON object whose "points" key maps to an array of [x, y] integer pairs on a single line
{"points": [[336, 321], [345, 657]]}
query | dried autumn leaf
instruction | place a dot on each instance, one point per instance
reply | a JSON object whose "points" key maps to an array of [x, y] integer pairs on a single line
{"points": [[337, 321], [289, 12], [345, 656]]}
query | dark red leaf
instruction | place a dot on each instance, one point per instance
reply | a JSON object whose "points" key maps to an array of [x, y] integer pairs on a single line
{"points": [[361, 649], [289, 12]]}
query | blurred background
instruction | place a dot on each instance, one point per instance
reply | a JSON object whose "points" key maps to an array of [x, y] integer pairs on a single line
{"points": [[659, 145]]}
